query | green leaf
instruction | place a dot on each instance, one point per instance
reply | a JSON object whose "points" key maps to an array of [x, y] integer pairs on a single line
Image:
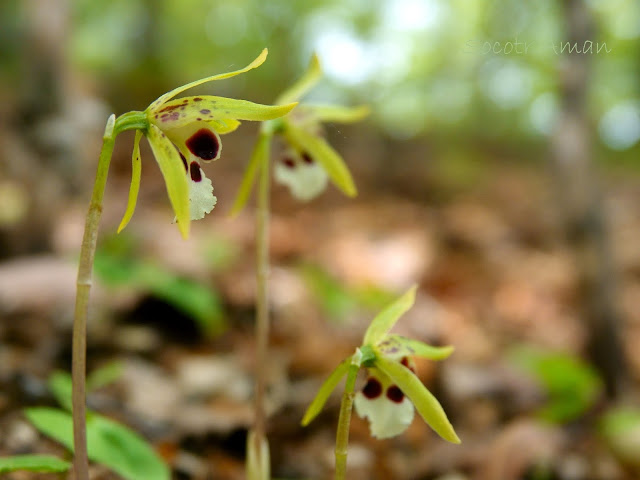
{"points": [[322, 152], [221, 76], [53, 422], [33, 463], [259, 158], [60, 385], [385, 320], [426, 404], [196, 300], [323, 394], [136, 173], [335, 298], [572, 386], [104, 375], [108, 442], [334, 113], [304, 84], [423, 350], [174, 175], [620, 429]]}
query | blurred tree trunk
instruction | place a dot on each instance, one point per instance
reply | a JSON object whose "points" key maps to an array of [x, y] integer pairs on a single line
{"points": [[581, 204], [38, 150]]}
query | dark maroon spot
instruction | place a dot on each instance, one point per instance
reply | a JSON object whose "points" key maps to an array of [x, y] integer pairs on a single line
{"points": [[169, 108], [194, 170], [197, 99], [204, 144], [205, 111], [405, 362], [395, 394], [307, 158], [198, 119], [156, 116], [288, 162], [184, 161], [174, 116], [372, 389], [164, 116]]}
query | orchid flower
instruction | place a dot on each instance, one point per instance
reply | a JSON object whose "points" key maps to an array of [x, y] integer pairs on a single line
{"points": [[183, 133], [392, 388], [309, 162]]}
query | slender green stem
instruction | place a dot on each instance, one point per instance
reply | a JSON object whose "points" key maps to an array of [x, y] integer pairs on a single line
{"points": [[344, 421], [85, 267], [262, 295]]}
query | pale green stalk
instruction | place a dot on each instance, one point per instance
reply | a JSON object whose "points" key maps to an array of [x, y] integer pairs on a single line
{"points": [[344, 420], [85, 267], [127, 121]]}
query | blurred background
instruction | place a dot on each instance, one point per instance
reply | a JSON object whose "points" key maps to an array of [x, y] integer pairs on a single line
{"points": [[499, 170]]}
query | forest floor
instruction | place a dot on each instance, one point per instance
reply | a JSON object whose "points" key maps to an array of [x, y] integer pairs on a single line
{"points": [[494, 277]]}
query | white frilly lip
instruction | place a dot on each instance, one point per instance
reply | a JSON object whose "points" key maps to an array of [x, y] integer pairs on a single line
{"points": [[201, 198], [305, 180], [386, 417]]}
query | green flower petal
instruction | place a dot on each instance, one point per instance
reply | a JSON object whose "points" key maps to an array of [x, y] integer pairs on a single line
{"points": [[327, 387], [169, 95], [208, 108], [173, 172], [386, 319], [259, 159], [322, 152], [136, 173], [227, 125], [426, 404], [420, 349], [304, 84], [334, 113]]}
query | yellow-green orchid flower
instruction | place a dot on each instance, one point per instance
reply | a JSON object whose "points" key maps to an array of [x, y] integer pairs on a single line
{"points": [[183, 133], [392, 389], [309, 162]]}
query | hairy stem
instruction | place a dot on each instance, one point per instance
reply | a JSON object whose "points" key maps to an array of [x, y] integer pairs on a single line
{"points": [[85, 267], [344, 421], [262, 296]]}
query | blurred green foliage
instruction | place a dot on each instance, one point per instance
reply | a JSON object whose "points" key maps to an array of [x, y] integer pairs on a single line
{"points": [[109, 443], [571, 385], [339, 301], [33, 463], [485, 69], [118, 266], [620, 428]]}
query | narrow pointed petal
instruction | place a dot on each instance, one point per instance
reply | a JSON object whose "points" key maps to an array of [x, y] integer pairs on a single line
{"points": [[227, 125], [327, 387], [169, 95], [208, 108], [136, 173], [335, 113], [388, 410], [172, 169], [387, 318], [304, 84], [201, 198], [420, 349], [427, 405], [322, 152], [259, 159]]}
